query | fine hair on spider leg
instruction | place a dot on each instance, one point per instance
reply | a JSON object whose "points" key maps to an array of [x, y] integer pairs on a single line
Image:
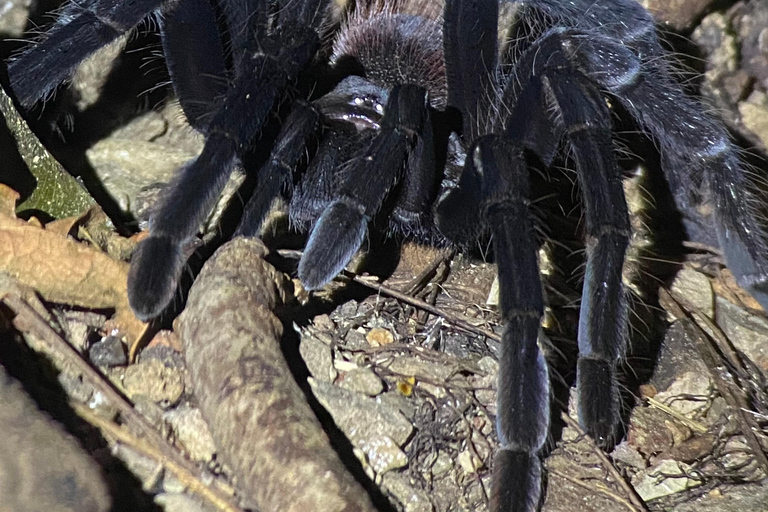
{"points": [[368, 138]]}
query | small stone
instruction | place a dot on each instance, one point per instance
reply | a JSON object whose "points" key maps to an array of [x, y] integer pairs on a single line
{"points": [[689, 384], [693, 449], [166, 338], [489, 365], [662, 480], [378, 337], [754, 114], [153, 380], [648, 432], [468, 462], [746, 331], [355, 340], [412, 499], [626, 453], [678, 14], [695, 288], [361, 417], [324, 323], [363, 380], [192, 432], [647, 391], [344, 312], [169, 356], [442, 464], [108, 352], [178, 503], [382, 454], [317, 356], [435, 391]]}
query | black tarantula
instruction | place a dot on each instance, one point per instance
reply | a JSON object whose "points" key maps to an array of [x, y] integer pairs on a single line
{"points": [[383, 145]]}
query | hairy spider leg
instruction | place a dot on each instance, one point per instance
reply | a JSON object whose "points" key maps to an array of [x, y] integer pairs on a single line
{"points": [[523, 413], [194, 54], [470, 44], [316, 189], [276, 176], [412, 215], [494, 191], [82, 28], [699, 162], [621, 20], [276, 57], [603, 314], [470, 40], [367, 180]]}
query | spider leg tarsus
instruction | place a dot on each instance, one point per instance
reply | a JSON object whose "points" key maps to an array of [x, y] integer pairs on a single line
{"points": [[517, 480], [342, 224], [174, 221], [149, 287]]}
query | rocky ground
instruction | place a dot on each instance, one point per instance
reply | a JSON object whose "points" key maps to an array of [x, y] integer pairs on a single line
{"points": [[399, 373]]}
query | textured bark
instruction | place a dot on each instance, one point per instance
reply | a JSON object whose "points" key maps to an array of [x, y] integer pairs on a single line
{"points": [[258, 415]]}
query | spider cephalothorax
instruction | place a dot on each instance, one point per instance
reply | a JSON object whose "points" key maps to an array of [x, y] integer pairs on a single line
{"points": [[384, 145]]}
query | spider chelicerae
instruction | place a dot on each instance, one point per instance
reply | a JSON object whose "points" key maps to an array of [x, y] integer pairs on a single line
{"points": [[414, 112]]}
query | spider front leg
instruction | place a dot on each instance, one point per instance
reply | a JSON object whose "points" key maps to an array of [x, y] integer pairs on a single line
{"points": [[583, 119], [495, 180], [493, 191], [274, 58], [194, 54], [367, 180]]}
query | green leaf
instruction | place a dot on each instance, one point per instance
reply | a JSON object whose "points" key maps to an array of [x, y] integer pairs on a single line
{"points": [[57, 193]]}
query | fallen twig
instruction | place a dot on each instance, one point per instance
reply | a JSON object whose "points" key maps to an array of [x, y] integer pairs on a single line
{"points": [[28, 321]]}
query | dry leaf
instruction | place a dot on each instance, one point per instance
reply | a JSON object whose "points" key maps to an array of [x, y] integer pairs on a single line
{"points": [[63, 270]]}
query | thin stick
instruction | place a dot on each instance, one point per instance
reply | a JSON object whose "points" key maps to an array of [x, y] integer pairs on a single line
{"points": [[451, 318], [420, 281], [29, 321]]}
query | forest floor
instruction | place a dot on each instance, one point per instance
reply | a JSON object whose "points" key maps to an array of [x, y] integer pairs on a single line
{"points": [[392, 367]]}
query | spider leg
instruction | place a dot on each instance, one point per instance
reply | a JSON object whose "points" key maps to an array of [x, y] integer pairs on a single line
{"points": [[470, 38], [315, 190], [603, 314], [195, 57], [367, 180], [276, 176], [497, 171], [493, 191], [275, 59], [82, 28], [699, 161], [412, 214]]}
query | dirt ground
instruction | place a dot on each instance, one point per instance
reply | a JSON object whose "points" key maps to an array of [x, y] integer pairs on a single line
{"points": [[379, 391]]}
